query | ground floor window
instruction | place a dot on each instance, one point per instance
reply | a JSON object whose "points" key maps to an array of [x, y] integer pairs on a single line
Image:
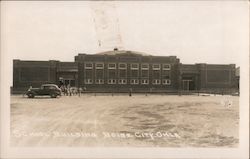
{"points": [[99, 81], [188, 85], [122, 81], [166, 81], [111, 81], [88, 81], [144, 81], [134, 81], [156, 81]]}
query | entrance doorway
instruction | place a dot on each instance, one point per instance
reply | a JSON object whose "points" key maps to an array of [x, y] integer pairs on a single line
{"points": [[188, 85], [66, 82], [70, 82]]}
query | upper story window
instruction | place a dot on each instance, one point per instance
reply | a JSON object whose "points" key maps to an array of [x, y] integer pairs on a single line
{"points": [[166, 67], [145, 66], [88, 66], [134, 66], [122, 66], [99, 66], [111, 66], [156, 66]]}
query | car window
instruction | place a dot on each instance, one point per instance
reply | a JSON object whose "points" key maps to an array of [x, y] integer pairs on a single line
{"points": [[46, 87], [52, 87]]}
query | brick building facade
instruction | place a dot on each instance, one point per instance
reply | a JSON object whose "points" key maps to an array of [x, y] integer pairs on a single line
{"points": [[119, 71]]}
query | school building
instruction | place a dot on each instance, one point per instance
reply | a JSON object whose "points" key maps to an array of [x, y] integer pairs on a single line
{"points": [[121, 70]]}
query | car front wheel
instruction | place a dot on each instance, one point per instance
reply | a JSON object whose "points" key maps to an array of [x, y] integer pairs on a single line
{"points": [[53, 95]]}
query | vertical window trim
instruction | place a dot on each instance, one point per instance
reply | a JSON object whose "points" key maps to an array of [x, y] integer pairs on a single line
{"points": [[102, 73]]}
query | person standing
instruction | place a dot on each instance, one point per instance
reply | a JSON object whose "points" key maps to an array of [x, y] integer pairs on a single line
{"points": [[79, 91], [68, 89], [130, 92]]}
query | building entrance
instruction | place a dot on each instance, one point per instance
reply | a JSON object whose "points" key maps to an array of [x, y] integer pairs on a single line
{"points": [[189, 82], [188, 85], [66, 82]]}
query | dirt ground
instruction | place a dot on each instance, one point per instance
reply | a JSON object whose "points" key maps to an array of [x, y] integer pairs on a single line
{"points": [[120, 120]]}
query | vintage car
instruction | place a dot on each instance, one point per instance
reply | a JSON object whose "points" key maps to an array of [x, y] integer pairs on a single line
{"points": [[51, 90]]}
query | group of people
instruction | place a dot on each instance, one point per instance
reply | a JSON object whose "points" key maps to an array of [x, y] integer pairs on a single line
{"points": [[67, 90]]}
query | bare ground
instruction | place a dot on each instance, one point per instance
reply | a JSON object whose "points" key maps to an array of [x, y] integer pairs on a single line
{"points": [[137, 121]]}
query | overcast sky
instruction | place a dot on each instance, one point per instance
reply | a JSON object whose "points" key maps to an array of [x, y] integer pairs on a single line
{"points": [[194, 31]]}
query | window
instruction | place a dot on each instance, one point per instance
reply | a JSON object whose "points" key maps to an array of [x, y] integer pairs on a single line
{"points": [[144, 81], [134, 81], [99, 66], [46, 87], [122, 81], [88, 66], [122, 73], [122, 66], [111, 66], [99, 81], [156, 81], [111, 81], [134, 73], [112, 74], [144, 66], [134, 66], [156, 66], [166, 82], [144, 73], [156, 74], [88, 81], [166, 67], [99, 73], [165, 74], [88, 73], [52, 87]]}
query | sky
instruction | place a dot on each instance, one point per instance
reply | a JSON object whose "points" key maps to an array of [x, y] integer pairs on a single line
{"points": [[213, 32]]}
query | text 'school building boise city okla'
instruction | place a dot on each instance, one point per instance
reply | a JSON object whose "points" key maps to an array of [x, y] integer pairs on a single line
{"points": [[121, 71]]}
